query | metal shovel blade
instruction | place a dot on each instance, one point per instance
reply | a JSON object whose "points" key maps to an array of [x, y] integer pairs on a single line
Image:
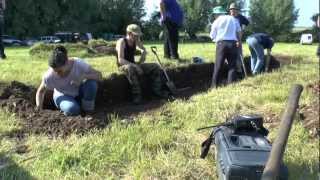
{"points": [[172, 88]]}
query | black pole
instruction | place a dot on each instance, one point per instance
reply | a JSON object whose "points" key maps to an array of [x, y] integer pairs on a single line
{"points": [[273, 164]]}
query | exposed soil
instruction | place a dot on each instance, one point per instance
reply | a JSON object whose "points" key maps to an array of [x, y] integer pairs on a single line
{"points": [[112, 99], [309, 114]]}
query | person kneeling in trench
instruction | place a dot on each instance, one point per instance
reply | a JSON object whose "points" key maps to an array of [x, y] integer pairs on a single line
{"points": [[73, 81], [126, 48]]}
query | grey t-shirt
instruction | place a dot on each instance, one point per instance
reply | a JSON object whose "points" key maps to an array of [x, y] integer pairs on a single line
{"points": [[64, 85]]}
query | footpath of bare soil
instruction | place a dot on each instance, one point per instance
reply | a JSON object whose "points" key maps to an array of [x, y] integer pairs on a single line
{"points": [[112, 98]]}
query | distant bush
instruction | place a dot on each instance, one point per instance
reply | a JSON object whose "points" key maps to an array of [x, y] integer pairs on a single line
{"points": [[100, 42], [295, 36], [44, 50]]}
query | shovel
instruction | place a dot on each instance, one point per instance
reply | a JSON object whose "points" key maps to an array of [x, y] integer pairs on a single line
{"points": [[172, 88], [243, 66]]}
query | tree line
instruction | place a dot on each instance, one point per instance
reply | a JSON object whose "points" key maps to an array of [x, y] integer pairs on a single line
{"points": [[30, 18], [45, 17]]}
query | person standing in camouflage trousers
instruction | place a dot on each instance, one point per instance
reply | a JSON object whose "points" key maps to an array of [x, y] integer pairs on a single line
{"points": [[126, 48], [2, 8]]}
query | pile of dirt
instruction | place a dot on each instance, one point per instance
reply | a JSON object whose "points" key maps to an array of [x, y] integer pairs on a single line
{"points": [[109, 49], [18, 98], [309, 114], [112, 98]]}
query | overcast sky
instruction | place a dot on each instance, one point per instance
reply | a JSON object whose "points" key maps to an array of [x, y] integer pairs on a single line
{"points": [[306, 9]]}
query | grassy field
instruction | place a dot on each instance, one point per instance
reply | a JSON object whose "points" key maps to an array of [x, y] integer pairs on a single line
{"points": [[164, 144]]}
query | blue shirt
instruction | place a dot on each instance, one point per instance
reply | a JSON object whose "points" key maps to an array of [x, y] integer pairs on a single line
{"points": [[173, 11], [242, 20], [264, 39]]}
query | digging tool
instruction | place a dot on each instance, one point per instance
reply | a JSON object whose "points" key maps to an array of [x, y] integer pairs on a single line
{"points": [[271, 170], [243, 66], [169, 83], [266, 69], [235, 137]]}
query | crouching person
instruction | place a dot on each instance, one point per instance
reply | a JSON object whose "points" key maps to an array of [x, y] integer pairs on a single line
{"points": [[257, 43], [73, 81], [126, 48]]}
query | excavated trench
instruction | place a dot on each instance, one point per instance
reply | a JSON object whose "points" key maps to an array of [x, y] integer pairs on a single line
{"points": [[112, 98]]}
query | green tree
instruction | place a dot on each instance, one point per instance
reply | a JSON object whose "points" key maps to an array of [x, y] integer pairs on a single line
{"points": [[196, 15], [44, 17], [30, 17], [275, 17], [152, 28]]}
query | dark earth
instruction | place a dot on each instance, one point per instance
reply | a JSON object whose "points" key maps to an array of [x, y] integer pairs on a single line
{"points": [[113, 99]]}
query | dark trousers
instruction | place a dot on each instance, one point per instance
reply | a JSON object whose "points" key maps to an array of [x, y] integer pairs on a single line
{"points": [[171, 38], [318, 51], [2, 55], [225, 50]]}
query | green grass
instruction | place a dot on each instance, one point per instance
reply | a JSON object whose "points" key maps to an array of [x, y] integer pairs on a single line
{"points": [[165, 144]]}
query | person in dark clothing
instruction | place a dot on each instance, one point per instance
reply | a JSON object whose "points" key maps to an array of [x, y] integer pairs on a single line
{"points": [[126, 48], [172, 19], [257, 43], [2, 8], [318, 25]]}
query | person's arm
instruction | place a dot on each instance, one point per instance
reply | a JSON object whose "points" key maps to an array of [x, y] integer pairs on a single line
{"points": [[120, 53], [40, 95], [162, 10], [318, 21], [239, 33], [87, 73], [93, 74], [143, 51], [213, 32]]}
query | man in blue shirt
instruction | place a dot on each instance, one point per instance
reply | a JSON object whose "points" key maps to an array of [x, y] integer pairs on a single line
{"points": [[257, 43], [172, 19]]}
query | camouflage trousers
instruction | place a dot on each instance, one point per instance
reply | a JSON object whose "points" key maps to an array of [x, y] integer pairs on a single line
{"points": [[150, 70]]}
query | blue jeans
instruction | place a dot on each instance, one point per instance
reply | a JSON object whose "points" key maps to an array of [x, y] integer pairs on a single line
{"points": [[257, 55], [71, 106]]}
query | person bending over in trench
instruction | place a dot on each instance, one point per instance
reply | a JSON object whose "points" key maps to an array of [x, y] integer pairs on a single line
{"points": [[126, 48], [257, 43], [73, 81]]}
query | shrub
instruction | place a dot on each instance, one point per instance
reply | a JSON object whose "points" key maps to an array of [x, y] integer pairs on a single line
{"points": [[44, 50], [100, 42]]}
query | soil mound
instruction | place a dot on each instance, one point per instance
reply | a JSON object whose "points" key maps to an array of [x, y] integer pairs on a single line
{"points": [[310, 113], [112, 98]]}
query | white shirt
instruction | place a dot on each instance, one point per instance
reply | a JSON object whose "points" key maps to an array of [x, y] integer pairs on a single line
{"points": [[63, 85], [225, 27]]}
